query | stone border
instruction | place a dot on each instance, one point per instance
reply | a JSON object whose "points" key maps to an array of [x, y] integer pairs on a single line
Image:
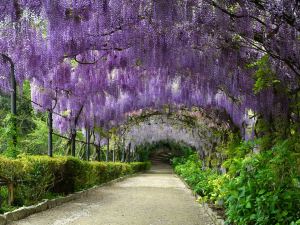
{"points": [[26, 211], [216, 219]]}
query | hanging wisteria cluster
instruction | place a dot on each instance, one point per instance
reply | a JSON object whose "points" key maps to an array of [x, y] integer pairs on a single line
{"points": [[95, 61]]}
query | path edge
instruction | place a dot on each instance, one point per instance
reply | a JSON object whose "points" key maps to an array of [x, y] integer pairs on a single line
{"points": [[46, 204], [216, 219]]}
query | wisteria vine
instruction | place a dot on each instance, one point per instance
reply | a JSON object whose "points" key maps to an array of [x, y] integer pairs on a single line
{"points": [[96, 61]]}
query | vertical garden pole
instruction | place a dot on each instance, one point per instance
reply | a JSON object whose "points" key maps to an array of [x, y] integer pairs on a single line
{"points": [[98, 152], [14, 106], [134, 155], [88, 145], [118, 152], [73, 142], [74, 132], [107, 150], [123, 151], [50, 132], [113, 154], [129, 149], [14, 91]]}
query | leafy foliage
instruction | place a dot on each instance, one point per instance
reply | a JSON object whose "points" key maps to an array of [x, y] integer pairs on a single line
{"points": [[266, 189], [264, 76], [36, 143], [7, 133], [190, 169], [59, 175], [258, 188], [32, 130]]}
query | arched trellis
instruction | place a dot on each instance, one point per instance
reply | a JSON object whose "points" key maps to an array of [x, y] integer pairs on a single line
{"points": [[74, 45], [201, 129], [182, 61]]}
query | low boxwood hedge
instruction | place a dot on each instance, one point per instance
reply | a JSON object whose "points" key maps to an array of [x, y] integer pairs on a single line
{"points": [[38, 177]]}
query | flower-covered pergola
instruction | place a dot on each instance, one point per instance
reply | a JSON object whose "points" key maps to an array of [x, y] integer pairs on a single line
{"points": [[93, 62]]}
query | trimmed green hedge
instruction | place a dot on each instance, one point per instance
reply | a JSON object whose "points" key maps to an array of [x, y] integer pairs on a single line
{"points": [[38, 177]]}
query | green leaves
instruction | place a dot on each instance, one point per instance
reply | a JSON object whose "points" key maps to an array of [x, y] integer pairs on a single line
{"points": [[264, 76], [7, 133], [40, 176], [205, 182], [248, 205], [263, 191], [260, 189], [295, 223]]}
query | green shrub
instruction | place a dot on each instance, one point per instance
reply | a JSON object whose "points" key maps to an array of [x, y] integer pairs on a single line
{"points": [[136, 166], [267, 189], [38, 177], [198, 179], [260, 189], [11, 169]]}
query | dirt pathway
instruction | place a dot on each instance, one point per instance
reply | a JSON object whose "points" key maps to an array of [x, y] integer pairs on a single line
{"points": [[154, 198]]}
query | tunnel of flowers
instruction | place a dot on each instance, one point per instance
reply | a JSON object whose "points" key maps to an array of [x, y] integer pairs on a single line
{"points": [[98, 85]]}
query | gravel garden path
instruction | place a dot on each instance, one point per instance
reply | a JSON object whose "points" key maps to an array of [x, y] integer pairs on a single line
{"points": [[157, 197]]}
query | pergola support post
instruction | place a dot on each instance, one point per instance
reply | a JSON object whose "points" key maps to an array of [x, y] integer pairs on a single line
{"points": [[73, 142], [129, 150], [98, 150], [107, 150], [123, 151], [14, 103], [50, 133], [88, 144]]}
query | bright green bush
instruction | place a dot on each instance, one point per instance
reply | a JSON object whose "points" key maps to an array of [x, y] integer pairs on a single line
{"points": [[11, 169], [267, 188], [260, 189], [37, 177], [197, 178]]}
